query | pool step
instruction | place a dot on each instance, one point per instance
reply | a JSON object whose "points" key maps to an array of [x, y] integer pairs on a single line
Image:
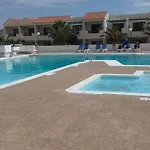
{"points": [[113, 63], [145, 99]]}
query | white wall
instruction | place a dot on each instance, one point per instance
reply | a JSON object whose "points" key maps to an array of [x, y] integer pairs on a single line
{"points": [[5, 48], [64, 48], [145, 47], [27, 48], [16, 49], [73, 48], [2, 49], [67, 48]]}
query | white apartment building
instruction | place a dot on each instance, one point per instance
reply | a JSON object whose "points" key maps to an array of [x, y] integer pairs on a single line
{"points": [[26, 29], [88, 28]]}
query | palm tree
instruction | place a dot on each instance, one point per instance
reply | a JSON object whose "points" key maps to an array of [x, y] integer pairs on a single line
{"points": [[114, 36], [5, 41], [62, 34]]}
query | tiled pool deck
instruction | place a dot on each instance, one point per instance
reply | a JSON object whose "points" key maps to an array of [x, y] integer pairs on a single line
{"points": [[41, 115]]}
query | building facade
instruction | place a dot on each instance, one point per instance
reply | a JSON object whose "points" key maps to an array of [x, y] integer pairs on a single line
{"points": [[88, 28]]}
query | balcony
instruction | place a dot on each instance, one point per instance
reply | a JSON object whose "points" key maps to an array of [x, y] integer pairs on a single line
{"points": [[124, 30], [26, 34], [137, 34], [44, 38], [87, 35], [33, 37], [26, 37], [134, 34], [12, 36]]}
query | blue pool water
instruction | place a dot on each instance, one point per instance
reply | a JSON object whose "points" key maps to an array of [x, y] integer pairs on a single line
{"points": [[19, 68], [22, 67], [119, 84]]}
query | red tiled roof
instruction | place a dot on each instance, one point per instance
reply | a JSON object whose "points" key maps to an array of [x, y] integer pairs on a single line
{"points": [[16, 20], [32, 19], [95, 15], [52, 19]]}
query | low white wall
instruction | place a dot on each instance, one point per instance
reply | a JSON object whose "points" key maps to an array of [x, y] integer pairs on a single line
{"points": [[63, 48], [145, 47], [67, 48], [73, 48], [15, 49], [5, 48], [2, 48], [27, 48], [18, 45]]}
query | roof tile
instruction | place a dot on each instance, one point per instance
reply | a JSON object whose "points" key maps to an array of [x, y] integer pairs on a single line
{"points": [[95, 15], [52, 19], [15, 20]]}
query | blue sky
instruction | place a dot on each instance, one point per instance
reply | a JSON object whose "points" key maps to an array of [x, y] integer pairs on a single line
{"points": [[36, 8]]}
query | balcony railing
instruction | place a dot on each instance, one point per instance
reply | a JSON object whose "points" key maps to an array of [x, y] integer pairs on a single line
{"points": [[87, 35], [12, 35], [44, 34], [94, 31], [28, 34]]}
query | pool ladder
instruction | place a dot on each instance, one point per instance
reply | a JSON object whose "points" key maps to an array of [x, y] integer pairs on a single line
{"points": [[87, 55]]}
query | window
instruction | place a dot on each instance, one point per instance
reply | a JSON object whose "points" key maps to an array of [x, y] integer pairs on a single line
{"points": [[15, 31], [47, 43], [118, 26], [77, 28], [96, 27], [138, 26], [46, 30], [30, 31]]}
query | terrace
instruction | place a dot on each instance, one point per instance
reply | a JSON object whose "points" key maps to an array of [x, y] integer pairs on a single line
{"points": [[39, 114]]}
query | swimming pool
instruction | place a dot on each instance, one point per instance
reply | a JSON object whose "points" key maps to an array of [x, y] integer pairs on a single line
{"points": [[114, 84], [22, 67]]}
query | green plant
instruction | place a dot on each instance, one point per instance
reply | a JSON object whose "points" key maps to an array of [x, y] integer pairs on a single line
{"points": [[6, 41], [114, 36], [62, 34]]}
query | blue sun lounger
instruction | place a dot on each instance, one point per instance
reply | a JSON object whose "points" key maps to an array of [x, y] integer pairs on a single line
{"points": [[98, 47], [86, 47], [104, 48], [80, 49], [127, 47]]}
